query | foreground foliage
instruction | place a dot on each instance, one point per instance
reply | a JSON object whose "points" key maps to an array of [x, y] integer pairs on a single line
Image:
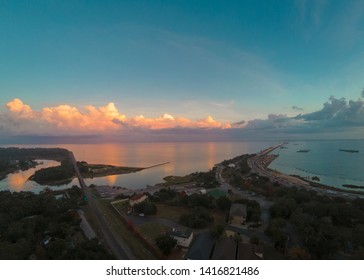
{"points": [[39, 226]]}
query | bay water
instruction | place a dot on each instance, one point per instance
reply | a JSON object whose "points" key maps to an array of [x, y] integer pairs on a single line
{"points": [[183, 158], [322, 159]]}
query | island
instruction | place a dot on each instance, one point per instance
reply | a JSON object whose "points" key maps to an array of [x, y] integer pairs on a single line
{"points": [[16, 159], [349, 151], [20, 159], [64, 173]]}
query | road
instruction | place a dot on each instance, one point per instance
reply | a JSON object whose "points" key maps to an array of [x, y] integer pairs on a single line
{"points": [[263, 203], [119, 248]]}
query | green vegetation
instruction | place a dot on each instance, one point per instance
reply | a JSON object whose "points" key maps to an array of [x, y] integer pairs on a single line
{"points": [[199, 218], [317, 225], [55, 175], [11, 166], [43, 227], [99, 170], [7, 154], [253, 209], [223, 203], [125, 231], [146, 208], [205, 180], [240, 162], [165, 243], [150, 231], [196, 210], [15, 159], [65, 172]]}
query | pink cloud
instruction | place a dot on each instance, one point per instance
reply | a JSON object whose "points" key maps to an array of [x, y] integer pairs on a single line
{"points": [[67, 118]]}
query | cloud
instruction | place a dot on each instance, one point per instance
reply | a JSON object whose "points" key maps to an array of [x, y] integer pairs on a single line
{"points": [[337, 112], [21, 118], [337, 116], [296, 108]]}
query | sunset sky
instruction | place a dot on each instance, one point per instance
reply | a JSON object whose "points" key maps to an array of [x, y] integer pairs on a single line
{"points": [[181, 70]]}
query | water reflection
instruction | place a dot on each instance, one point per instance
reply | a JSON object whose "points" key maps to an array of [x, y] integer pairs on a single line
{"points": [[184, 158], [211, 155], [111, 179], [19, 181]]}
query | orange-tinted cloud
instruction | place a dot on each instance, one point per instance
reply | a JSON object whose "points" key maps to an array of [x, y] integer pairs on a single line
{"points": [[68, 118]]}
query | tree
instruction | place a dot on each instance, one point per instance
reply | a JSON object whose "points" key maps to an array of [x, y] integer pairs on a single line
{"points": [[199, 218], [217, 231], [165, 243], [223, 203], [204, 200], [298, 253], [145, 207]]}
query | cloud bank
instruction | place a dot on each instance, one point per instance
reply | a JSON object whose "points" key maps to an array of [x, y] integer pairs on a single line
{"points": [[22, 119], [338, 118]]}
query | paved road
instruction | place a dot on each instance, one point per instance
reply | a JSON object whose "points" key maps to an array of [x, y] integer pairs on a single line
{"points": [[120, 249], [264, 204]]}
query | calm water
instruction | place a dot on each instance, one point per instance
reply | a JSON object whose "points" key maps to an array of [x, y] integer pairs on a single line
{"points": [[19, 181], [333, 167], [324, 160], [184, 158]]}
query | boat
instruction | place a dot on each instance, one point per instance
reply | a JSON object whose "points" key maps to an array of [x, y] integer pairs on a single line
{"points": [[303, 151]]}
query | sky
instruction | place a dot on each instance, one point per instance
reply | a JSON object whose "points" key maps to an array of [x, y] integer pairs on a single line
{"points": [[190, 70]]}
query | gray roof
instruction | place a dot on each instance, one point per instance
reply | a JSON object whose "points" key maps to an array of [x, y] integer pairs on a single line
{"points": [[249, 251], [182, 234], [201, 247], [225, 249], [238, 210]]}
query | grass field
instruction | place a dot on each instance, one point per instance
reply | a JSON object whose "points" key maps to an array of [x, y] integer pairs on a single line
{"points": [[150, 231], [173, 213]]}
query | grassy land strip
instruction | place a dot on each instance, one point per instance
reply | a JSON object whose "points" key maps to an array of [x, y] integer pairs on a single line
{"points": [[177, 180], [115, 220]]}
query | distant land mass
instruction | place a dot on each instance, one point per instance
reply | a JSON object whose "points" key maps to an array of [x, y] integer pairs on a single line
{"points": [[14, 159]]}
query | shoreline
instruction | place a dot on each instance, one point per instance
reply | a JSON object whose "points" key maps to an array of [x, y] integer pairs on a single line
{"points": [[319, 186]]}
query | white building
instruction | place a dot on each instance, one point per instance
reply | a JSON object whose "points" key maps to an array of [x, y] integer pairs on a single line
{"points": [[183, 238]]}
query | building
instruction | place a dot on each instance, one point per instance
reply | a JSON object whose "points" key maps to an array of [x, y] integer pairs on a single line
{"points": [[138, 198], [183, 238], [249, 252], [225, 249], [238, 214], [201, 247]]}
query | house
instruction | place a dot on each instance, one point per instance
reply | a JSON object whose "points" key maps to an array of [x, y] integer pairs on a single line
{"points": [[249, 252], [138, 198], [225, 249], [202, 191], [238, 214], [183, 238], [201, 247]]}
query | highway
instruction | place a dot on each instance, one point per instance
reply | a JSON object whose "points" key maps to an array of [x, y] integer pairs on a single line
{"points": [[119, 248]]}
